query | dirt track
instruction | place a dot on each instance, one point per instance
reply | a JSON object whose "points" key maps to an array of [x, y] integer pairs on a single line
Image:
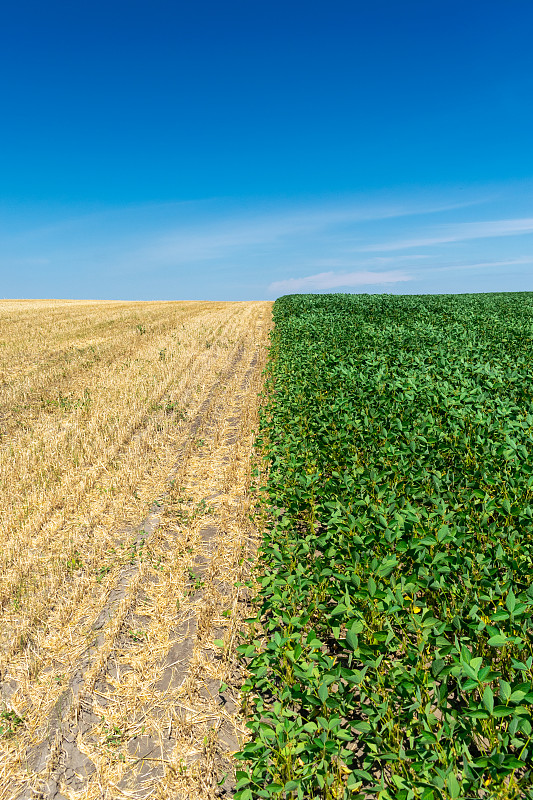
{"points": [[127, 702]]}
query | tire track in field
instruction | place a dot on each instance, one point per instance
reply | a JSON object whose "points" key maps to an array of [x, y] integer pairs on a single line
{"points": [[52, 519], [142, 713], [183, 452]]}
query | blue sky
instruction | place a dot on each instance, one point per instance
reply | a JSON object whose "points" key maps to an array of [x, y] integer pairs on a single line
{"points": [[242, 150]]}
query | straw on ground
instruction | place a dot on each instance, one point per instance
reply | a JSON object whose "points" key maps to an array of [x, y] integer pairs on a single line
{"points": [[126, 441]]}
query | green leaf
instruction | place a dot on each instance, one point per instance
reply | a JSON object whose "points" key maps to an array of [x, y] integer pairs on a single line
{"points": [[498, 640], [442, 532], [467, 669], [437, 666], [503, 711], [488, 699], [352, 640], [357, 626], [323, 692], [453, 786], [361, 726], [517, 696], [510, 601], [387, 567], [514, 763], [344, 735], [396, 425], [505, 690], [340, 609]]}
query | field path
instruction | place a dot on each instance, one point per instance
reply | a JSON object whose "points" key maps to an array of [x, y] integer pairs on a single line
{"points": [[134, 692]]}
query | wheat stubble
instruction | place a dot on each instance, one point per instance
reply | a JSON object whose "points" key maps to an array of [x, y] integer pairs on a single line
{"points": [[127, 432]]}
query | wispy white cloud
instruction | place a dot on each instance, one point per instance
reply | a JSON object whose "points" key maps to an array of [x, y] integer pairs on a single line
{"points": [[199, 242], [486, 265], [223, 248], [460, 232], [324, 281], [346, 262]]}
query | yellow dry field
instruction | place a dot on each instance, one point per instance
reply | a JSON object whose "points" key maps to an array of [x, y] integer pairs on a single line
{"points": [[126, 451]]}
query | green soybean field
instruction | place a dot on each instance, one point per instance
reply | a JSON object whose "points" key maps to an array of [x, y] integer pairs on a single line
{"points": [[391, 654]]}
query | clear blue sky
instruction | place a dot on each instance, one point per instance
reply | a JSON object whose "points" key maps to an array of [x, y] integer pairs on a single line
{"points": [[239, 150]]}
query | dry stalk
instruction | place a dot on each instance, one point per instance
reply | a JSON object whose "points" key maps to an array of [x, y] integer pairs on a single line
{"points": [[106, 408]]}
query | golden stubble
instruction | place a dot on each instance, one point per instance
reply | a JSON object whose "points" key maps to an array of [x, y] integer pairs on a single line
{"points": [[104, 409]]}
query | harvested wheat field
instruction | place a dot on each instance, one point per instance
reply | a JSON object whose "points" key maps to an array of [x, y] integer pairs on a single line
{"points": [[126, 436]]}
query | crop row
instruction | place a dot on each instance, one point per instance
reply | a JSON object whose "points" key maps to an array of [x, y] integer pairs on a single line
{"points": [[392, 654]]}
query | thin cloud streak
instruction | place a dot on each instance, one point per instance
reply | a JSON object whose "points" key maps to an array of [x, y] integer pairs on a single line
{"points": [[324, 281], [461, 232], [481, 265], [223, 249], [209, 242]]}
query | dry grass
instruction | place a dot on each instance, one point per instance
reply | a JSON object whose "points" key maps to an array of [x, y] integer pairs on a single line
{"points": [[104, 409]]}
